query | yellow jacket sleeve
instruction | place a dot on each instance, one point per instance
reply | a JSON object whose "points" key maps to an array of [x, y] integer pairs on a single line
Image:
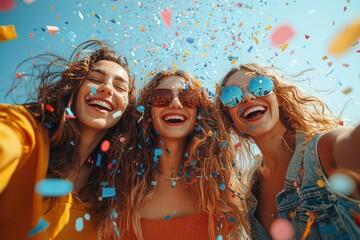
{"points": [[17, 139]]}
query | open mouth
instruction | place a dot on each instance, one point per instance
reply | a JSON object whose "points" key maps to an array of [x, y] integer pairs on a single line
{"points": [[174, 118], [101, 104], [253, 112]]}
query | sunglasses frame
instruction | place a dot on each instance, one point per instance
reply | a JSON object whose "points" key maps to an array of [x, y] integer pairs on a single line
{"points": [[251, 89], [183, 97]]}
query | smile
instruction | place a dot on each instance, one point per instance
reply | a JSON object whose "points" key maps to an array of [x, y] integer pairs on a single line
{"points": [[174, 119], [253, 113], [100, 103]]}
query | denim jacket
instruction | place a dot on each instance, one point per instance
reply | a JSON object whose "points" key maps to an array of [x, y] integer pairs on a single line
{"points": [[308, 200]]}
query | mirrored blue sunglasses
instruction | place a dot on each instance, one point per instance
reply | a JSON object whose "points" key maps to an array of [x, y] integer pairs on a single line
{"points": [[259, 86]]}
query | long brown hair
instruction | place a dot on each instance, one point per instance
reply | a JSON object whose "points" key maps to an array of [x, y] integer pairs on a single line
{"points": [[57, 82], [205, 169]]}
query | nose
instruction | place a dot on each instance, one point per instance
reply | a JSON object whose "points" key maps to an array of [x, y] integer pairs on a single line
{"points": [[106, 88], [248, 96], [175, 103]]}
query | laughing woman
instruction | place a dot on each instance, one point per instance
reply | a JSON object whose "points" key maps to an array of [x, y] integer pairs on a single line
{"points": [[183, 187], [302, 148], [70, 133]]}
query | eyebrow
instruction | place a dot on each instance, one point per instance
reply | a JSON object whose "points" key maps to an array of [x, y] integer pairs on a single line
{"points": [[103, 72]]}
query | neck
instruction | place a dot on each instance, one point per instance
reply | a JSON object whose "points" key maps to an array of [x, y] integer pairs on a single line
{"points": [[172, 157], [89, 140], [277, 148]]}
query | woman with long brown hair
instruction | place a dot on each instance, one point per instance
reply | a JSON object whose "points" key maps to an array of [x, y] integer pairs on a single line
{"points": [[78, 133], [185, 184]]}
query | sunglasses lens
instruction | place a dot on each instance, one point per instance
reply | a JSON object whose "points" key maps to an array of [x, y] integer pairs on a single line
{"points": [[161, 97], [261, 86], [231, 96], [189, 98]]}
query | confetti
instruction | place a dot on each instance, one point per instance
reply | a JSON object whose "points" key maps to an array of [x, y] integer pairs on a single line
{"points": [[81, 16], [347, 90], [79, 224], [281, 35], [53, 187], [281, 229], [7, 5], [7, 33], [342, 183], [117, 114], [52, 30], [166, 16], [346, 38], [108, 192], [122, 139], [42, 225], [105, 145]]}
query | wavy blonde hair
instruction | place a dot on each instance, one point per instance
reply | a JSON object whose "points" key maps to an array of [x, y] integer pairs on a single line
{"points": [[298, 111], [206, 165]]}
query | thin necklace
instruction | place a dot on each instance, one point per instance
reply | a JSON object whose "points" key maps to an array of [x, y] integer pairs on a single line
{"points": [[168, 178]]}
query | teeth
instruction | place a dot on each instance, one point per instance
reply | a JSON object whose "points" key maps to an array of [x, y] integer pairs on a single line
{"points": [[258, 108], [175, 117], [100, 103]]}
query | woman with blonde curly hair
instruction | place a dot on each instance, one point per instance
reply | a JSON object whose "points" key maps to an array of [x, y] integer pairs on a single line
{"points": [[183, 187], [78, 132], [301, 148]]}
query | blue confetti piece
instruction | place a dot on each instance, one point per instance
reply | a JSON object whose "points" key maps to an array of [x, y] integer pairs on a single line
{"points": [[69, 112], [108, 192], [79, 224], [167, 217], [140, 108], [98, 160], [251, 128], [153, 183], [219, 237], [223, 145], [93, 90], [87, 216], [158, 152], [222, 186], [53, 187], [190, 40], [42, 225]]}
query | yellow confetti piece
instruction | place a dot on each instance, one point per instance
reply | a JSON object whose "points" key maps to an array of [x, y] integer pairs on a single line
{"points": [[198, 83], [7, 33], [203, 55], [347, 90], [284, 46], [233, 61], [256, 41], [324, 58], [346, 38], [135, 62], [186, 53], [268, 28], [320, 183], [142, 28]]}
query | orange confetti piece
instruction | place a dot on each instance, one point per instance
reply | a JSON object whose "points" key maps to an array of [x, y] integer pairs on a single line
{"points": [[256, 41], [166, 16], [268, 28], [346, 38], [7, 33], [346, 90], [324, 58], [283, 47], [233, 61], [142, 29], [52, 30], [49, 108]]}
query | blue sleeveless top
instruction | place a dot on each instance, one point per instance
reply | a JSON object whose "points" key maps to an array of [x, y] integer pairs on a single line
{"points": [[307, 199]]}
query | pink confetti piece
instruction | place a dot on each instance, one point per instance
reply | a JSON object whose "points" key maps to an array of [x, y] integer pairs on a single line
{"points": [[166, 16], [105, 145], [29, 1], [281, 35], [122, 139], [281, 229], [7, 5], [52, 30]]}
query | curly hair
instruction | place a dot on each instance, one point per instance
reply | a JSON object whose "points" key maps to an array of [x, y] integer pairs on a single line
{"points": [[205, 169], [57, 82], [298, 111]]}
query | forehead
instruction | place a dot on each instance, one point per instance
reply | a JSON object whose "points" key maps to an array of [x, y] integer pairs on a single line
{"points": [[240, 77], [172, 82], [112, 69]]}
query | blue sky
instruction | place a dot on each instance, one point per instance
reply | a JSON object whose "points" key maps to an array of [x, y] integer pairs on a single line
{"points": [[203, 38]]}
